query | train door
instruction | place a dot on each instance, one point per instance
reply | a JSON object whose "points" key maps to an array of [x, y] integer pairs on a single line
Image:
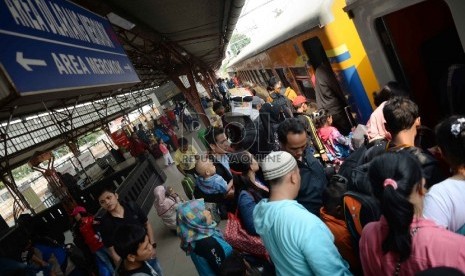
{"points": [[317, 56], [421, 58]]}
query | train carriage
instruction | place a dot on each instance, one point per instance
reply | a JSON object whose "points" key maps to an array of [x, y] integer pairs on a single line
{"points": [[367, 43]]}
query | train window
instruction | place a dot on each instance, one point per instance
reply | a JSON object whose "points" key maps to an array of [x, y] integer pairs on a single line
{"points": [[423, 62], [243, 75], [282, 77], [252, 76], [303, 81], [247, 75], [259, 76], [240, 75], [306, 87], [270, 73], [263, 75], [299, 72]]}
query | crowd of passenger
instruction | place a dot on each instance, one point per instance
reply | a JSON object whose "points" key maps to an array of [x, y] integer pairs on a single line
{"points": [[297, 193], [322, 203]]}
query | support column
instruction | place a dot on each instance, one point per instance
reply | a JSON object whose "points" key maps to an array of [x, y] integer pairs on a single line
{"points": [[6, 174], [18, 197]]}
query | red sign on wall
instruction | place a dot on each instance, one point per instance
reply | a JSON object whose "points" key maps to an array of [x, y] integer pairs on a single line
{"points": [[120, 138]]}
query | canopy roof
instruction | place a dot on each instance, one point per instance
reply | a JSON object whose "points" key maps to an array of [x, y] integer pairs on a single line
{"points": [[165, 34]]}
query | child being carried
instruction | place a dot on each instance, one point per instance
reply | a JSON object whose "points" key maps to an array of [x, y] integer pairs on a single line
{"points": [[208, 181]]}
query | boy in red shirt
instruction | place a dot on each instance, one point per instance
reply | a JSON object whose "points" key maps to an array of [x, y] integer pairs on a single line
{"points": [[93, 240]]}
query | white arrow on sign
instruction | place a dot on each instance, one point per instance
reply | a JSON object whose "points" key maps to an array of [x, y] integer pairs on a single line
{"points": [[25, 62], [128, 67]]}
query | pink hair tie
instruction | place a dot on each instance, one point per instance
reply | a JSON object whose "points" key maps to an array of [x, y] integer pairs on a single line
{"points": [[390, 182], [235, 172]]}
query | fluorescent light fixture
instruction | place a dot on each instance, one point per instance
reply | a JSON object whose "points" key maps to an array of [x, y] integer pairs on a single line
{"points": [[120, 22]]}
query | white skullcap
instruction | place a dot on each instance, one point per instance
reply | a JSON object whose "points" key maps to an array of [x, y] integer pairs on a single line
{"points": [[277, 164]]}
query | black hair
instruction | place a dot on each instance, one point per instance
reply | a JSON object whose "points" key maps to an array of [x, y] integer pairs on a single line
{"points": [[321, 118], [291, 125], [452, 143], [400, 114], [182, 141], [406, 171], [127, 239], [159, 140], [141, 126], [240, 164], [106, 188], [212, 133], [391, 89], [217, 105], [270, 88], [271, 82], [333, 194]]}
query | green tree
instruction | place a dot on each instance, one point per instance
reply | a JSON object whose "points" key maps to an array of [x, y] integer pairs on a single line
{"points": [[90, 138], [21, 172], [61, 151], [237, 42]]}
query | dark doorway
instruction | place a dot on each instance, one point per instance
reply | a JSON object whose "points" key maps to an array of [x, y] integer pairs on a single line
{"points": [[420, 57]]}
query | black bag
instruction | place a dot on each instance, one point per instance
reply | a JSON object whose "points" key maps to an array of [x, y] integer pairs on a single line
{"points": [[283, 103], [351, 162], [360, 205], [357, 168]]}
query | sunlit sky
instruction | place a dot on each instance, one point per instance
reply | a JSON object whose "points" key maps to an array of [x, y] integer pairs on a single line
{"points": [[258, 15], [263, 20]]}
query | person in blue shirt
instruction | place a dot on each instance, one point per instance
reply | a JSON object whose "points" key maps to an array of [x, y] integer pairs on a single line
{"points": [[208, 181], [298, 242], [248, 190]]}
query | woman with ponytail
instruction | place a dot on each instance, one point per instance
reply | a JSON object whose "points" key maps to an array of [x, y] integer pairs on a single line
{"points": [[445, 201], [402, 242], [248, 190]]}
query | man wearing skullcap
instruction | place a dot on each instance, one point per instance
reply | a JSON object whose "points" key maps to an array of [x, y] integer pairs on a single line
{"points": [[298, 242]]}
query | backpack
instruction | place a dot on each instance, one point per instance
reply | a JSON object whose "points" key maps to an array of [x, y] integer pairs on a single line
{"points": [[355, 167], [360, 205], [283, 103], [351, 162], [359, 210], [188, 184]]}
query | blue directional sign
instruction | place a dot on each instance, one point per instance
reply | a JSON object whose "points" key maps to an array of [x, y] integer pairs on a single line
{"points": [[56, 45]]}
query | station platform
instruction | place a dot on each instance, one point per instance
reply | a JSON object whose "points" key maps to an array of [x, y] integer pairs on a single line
{"points": [[173, 260]]}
